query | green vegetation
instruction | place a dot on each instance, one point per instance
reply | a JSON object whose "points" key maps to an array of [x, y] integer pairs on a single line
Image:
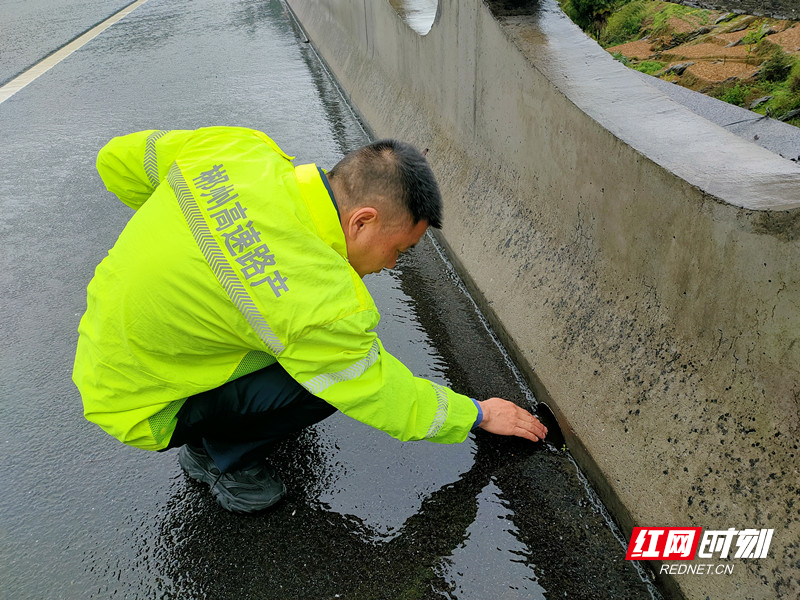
{"points": [[614, 22], [645, 66], [736, 95], [793, 81], [763, 49], [650, 67], [778, 80], [618, 56], [777, 67], [660, 18], [754, 36], [776, 85], [624, 25], [783, 102], [590, 15]]}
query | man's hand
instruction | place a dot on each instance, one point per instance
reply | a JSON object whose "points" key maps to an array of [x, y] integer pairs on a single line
{"points": [[506, 418]]}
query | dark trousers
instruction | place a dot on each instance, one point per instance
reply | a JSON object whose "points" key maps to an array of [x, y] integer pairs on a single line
{"points": [[238, 422]]}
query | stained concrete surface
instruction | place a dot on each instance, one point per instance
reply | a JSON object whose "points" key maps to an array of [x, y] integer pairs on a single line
{"points": [[82, 516]]}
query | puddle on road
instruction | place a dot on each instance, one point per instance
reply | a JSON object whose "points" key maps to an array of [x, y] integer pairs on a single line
{"points": [[369, 517], [492, 562]]}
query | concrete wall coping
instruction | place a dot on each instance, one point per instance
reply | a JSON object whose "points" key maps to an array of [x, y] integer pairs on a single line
{"points": [[704, 154]]}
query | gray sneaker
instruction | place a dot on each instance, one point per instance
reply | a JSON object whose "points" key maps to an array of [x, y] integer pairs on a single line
{"points": [[245, 491]]}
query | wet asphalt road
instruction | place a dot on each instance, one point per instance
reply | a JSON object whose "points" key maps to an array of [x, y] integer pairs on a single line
{"points": [[82, 516], [32, 29]]}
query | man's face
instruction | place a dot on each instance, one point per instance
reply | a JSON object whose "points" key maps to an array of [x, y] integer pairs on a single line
{"points": [[378, 245]]}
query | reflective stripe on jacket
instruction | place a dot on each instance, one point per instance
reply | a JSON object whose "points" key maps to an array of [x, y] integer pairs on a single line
{"points": [[233, 259]]}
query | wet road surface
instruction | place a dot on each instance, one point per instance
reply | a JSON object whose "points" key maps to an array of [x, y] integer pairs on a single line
{"points": [[82, 516], [32, 29]]}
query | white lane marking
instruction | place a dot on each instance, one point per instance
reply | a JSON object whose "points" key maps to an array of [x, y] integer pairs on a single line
{"points": [[20, 81]]}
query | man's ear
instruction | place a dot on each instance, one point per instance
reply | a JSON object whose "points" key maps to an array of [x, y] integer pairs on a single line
{"points": [[361, 219]]}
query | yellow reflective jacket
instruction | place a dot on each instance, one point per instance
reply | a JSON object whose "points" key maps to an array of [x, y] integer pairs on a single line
{"points": [[233, 259]]}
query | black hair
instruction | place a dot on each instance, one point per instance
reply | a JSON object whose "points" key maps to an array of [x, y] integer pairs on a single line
{"points": [[393, 170]]}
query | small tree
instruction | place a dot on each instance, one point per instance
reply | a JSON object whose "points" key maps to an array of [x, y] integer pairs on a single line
{"points": [[777, 66], [590, 15]]}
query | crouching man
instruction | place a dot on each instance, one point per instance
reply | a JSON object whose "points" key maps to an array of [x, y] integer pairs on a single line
{"points": [[231, 311]]}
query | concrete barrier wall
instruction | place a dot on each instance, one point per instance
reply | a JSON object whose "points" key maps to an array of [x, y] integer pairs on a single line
{"points": [[641, 263]]}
